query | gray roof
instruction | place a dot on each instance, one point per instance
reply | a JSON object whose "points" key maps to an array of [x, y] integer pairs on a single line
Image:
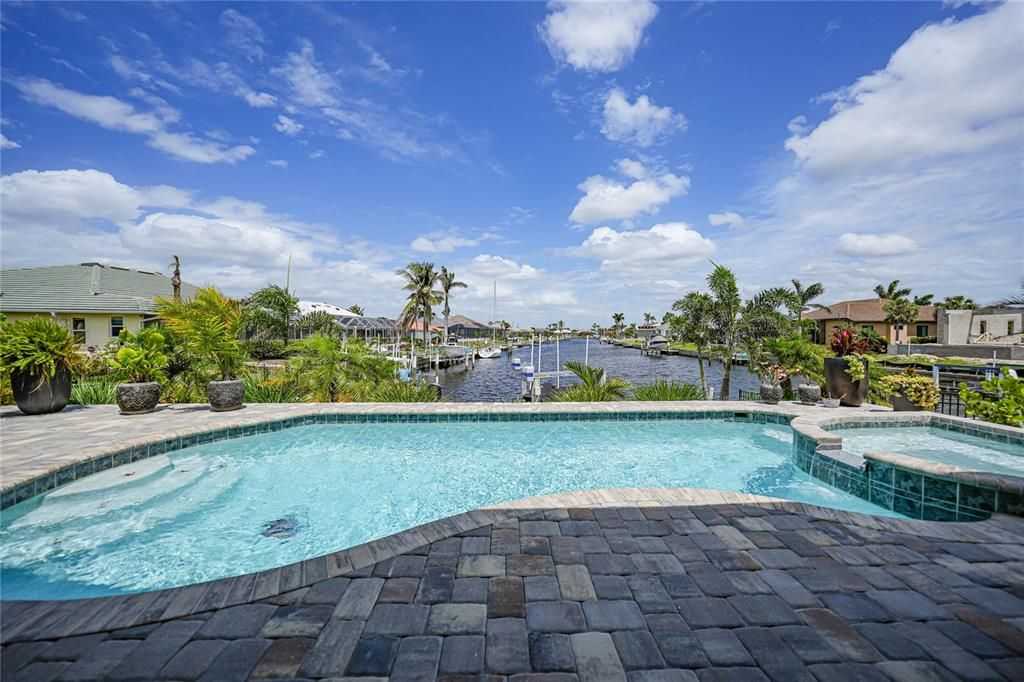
{"points": [[84, 288]]}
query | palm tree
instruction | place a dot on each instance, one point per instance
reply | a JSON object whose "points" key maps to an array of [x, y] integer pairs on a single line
{"points": [[736, 323], [892, 291], [209, 325], [649, 318], [900, 312], [694, 326], [357, 309], [958, 302], [1013, 300], [421, 282], [924, 299], [446, 280], [593, 386], [618, 319], [268, 313], [802, 297]]}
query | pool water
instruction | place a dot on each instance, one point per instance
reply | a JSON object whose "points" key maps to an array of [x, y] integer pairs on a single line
{"points": [[238, 506], [937, 445]]}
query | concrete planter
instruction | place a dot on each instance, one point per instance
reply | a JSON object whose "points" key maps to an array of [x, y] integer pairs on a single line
{"points": [[809, 394], [840, 385], [901, 404], [771, 394], [225, 396], [35, 395], [138, 398]]}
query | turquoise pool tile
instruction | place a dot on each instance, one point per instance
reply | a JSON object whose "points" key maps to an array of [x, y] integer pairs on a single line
{"points": [[977, 498], [939, 490], [909, 483]]}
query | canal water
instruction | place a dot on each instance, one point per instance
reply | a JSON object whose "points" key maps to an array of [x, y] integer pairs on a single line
{"points": [[495, 380]]}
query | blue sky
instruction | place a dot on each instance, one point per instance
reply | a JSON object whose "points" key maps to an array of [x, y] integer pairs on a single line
{"points": [[590, 157]]}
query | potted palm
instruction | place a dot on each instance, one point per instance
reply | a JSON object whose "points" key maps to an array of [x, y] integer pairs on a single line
{"points": [[41, 357], [846, 374], [209, 325], [772, 377], [910, 392], [140, 361]]}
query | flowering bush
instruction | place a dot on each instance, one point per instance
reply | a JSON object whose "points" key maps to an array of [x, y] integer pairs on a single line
{"points": [[846, 341], [773, 374], [921, 391]]}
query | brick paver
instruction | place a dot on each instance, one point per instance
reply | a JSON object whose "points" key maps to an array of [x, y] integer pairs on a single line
{"points": [[676, 592]]}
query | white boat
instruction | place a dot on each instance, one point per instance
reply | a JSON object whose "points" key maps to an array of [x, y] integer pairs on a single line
{"points": [[657, 342], [452, 348], [494, 350]]}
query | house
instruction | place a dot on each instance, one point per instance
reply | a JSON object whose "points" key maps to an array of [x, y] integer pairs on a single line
{"points": [[1000, 325], [647, 331], [869, 313], [464, 327], [94, 301], [351, 324]]}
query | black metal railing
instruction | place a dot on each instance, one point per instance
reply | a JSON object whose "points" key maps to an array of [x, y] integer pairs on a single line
{"points": [[749, 395], [949, 402]]}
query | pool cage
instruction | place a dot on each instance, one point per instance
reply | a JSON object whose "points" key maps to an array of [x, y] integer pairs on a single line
{"points": [[372, 330]]}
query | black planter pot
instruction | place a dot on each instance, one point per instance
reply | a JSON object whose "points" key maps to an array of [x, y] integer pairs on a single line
{"points": [[138, 398], [838, 382], [33, 396], [901, 404], [225, 396]]}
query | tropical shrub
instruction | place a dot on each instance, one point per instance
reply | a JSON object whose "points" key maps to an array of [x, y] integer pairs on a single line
{"points": [[401, 392], [265, 350], [846, 341], [1000, 401], [209, 326], [593, 386], [668, 390], [855, 366], [924, 339], [274, 389], [141, 356], [38, 346], [875, 343], [919, 390], [94, 392]]}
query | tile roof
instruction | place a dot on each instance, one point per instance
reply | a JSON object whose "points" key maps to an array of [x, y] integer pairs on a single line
{"points": [[84, 288], [455, 320], [864, 310]]}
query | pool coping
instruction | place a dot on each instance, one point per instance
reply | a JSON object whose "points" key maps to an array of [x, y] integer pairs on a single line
{"points": [[902, 482], [52, 619]]}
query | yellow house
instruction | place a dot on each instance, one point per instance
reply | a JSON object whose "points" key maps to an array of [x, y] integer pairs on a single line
{"points": [[94, 301], [869, 313]]}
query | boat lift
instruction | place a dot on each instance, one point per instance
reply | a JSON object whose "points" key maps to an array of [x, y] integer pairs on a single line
{"points": [[533, 377]]}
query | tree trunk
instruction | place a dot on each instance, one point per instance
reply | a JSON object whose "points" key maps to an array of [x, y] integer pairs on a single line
{"points": [[726, 373], [700, 366]]}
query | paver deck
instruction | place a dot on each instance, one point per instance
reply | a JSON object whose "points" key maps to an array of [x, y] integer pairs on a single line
{"points": [[637, 584]]}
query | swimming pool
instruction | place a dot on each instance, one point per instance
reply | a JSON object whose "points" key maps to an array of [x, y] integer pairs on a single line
{"points": [[236, 506], [937, 445]]}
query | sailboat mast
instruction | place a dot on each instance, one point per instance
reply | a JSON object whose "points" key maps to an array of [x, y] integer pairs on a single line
{"points": [[494, 310]]}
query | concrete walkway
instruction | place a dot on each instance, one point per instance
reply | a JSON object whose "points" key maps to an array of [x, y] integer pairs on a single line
{"points": [[661, 584]]}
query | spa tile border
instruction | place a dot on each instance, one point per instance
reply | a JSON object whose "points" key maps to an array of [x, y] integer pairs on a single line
{"points": [[911, 486], [37, 620]]}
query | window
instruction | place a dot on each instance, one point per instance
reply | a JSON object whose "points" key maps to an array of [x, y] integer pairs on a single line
{"points": [[868, 327], [1009, 328], [78, 329], [922, 330], [982, 327], [116, 325]]}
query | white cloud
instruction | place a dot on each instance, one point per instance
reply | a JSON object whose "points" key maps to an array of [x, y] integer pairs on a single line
{"points": [[221, 77], [441, 244], [318, 154], [730, 218], [642, 123], [853, 244], [311, 85], [288, 126], [278, 163], [7, 143], [259, 100], [596, 35], [608, 199], [115, 114], [954, 87], [243, 33], [664, 248]]}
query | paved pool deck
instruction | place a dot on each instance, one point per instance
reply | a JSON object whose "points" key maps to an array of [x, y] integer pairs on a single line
{"points": [[637, 584]]}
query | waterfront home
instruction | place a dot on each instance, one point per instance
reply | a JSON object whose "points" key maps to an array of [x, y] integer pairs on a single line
{"points": [[92, 300], [466, 328], [352, 324], [869, 313]]}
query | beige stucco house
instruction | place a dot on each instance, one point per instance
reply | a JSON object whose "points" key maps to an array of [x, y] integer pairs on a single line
{"points": [[869, 313], [94, 301]]}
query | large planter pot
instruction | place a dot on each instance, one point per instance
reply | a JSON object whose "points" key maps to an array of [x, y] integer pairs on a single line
{"points": [[840, 385], [33, 395], [138, 398], [809, 394], [225, 396], [901, 404], [771, 394]]}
